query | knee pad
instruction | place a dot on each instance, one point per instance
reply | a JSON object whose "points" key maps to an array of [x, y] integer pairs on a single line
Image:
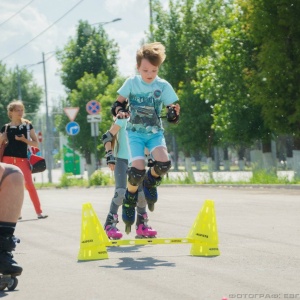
{"points": [[162, 168], [119, 196], [135, 176]]}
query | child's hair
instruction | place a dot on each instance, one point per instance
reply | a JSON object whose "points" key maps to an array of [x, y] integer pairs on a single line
{"points": [[12, 106], [154, 52]]}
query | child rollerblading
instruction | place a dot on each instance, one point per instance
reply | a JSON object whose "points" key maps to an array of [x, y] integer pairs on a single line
{"points": [[117, 160], [146, 94]]}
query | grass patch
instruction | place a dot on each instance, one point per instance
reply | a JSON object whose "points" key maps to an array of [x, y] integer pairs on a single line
{"points": [[262, 177]]}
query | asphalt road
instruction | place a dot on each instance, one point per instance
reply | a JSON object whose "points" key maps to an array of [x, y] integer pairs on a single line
{"points": [[259, 242]]}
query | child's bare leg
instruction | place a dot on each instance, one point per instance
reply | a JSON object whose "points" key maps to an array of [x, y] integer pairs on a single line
{"points": [[11, 200]]}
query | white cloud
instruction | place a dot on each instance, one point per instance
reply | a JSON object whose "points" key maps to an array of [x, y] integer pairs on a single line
{"points": [[40, 14]]}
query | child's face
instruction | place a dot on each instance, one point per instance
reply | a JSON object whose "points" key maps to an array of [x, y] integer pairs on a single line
{"points": [[147, 71]]}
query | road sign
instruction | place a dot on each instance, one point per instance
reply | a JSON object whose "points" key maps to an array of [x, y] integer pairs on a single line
{"points": [[93, 118], [40, 136], [71, 112], [94, 129], [93, 107], [72, 128]]}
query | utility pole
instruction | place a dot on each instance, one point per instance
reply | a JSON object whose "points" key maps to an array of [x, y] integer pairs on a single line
{"points": [[48, 141], [151, 19], [19, 84]]}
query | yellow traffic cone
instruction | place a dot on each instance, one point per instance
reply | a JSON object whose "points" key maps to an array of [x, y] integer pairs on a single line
{"points": [[204, 231], [93, 236]]}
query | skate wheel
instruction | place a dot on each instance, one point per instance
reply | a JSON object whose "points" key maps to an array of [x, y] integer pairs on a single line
{"points": [[127, 229], [13, 284], [145, 237]]}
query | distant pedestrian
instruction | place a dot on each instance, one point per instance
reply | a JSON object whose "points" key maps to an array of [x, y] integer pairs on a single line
{"points": [[16, 150]]}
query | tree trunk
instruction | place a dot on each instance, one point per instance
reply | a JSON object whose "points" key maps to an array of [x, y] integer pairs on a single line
{"points": [[175, 151], [256, 160], [241, 156], [226, 159], [296, 158], [269, 163], [289, 152], [197, 156], [189, 168], [217, 159]]}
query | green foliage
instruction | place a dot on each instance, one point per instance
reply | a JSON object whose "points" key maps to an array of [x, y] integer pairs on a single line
{"points": [[68, 180], [263, 177], [89, 73], [90, 52], [100, 178], [10, 82], [186, 31], [223, 82], [275, 28], [88, 87]]}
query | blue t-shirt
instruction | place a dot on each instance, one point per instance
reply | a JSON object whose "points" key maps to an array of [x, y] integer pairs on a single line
{"points": [[121, 145], [145, 102]]}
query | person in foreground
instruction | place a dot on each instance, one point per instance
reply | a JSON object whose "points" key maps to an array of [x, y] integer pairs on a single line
{"points": [[146, 94], [117, 154], [15, 152], [11, 200]]}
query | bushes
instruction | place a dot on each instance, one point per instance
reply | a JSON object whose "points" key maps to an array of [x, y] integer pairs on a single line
{"points": [[98, 178]]}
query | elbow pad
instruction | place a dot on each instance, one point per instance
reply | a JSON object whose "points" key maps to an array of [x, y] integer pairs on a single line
{"points": [[107, 137]]}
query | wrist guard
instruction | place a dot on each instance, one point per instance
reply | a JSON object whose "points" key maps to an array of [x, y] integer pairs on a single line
{"points": [[110, 159], [172, 116], [118, 104]]}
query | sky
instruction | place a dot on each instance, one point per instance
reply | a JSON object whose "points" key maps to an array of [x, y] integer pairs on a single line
{"points": [[29, 28]]}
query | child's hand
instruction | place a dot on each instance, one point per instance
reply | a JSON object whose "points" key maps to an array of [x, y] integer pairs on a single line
{"points": [[123, 114]]}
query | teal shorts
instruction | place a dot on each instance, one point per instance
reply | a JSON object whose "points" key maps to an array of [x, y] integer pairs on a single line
{"points": [[139, 141]]}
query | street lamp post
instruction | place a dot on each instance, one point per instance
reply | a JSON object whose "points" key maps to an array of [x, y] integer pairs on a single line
{"points": [[108, 22], [48, 147]]}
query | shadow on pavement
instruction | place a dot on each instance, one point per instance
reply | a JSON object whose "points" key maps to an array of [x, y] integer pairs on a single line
{"points": [[28, 220], [144, 263]]}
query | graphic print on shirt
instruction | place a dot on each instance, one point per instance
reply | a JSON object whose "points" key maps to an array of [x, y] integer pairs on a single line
{"points": [[144, 112]]}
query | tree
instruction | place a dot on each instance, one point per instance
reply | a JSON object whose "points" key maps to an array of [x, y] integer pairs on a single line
{"points": [[30, 91], [187, 34], [90, 52], [224, 78], [275, 28], [89, 88], [88, 68]]}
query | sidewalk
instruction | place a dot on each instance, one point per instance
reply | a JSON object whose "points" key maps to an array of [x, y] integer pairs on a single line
{"points": [[233, 176]]}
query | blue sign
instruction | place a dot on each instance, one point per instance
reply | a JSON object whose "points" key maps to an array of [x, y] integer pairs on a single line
{"points": [[72, 128], [93, 107]]}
